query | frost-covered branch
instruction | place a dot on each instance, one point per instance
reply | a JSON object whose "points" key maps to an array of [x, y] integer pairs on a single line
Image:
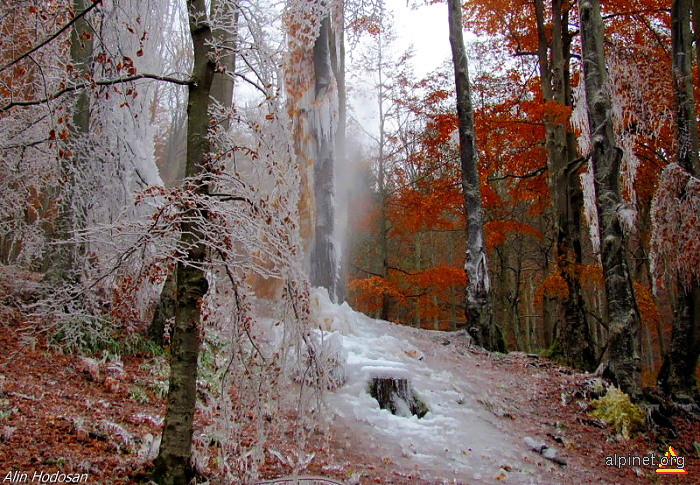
{"points": [[52, 37], [102, 82]]}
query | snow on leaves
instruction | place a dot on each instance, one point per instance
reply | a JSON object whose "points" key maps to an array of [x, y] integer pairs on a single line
{"points": [[675, 213]]}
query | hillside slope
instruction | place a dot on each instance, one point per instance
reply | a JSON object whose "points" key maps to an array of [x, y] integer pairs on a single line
{"points": [[68, 414]]}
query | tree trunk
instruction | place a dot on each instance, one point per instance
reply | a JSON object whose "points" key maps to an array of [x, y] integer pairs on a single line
{"points": [[173, 465], [564, 184], [337, 49], [381, 181], [165, 311], [222, 85], [696, 29], [222, 91], [324, 254], [677, 376], [478, 308], [61, 258], [624, 347]]}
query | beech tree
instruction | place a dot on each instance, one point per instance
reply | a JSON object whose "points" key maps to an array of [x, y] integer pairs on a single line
{"points": [[61, 260], [623, 352], [173, 465], [325, 262], [478, 309], [678, 191], [563, 164], [313, 107]]}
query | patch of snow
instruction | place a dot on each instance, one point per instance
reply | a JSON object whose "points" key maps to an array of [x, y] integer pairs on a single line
{"points": [[458, 439]]}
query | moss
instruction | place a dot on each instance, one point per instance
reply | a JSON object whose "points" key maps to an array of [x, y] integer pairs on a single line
{"points": [[616, 409]]}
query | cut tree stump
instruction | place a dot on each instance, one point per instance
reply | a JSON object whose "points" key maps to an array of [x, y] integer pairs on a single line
{"points": [[396, 395]]}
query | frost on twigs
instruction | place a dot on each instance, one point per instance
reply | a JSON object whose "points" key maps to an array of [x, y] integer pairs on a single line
{"points": [[640, 93], [66, 189], [303, 21], [675, 213]]}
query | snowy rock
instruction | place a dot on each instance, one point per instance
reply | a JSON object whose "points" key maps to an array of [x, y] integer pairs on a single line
{"points": [[544, 450]]}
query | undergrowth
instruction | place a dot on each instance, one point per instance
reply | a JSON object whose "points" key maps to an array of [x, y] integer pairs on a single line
{"points": [[616, 409]]}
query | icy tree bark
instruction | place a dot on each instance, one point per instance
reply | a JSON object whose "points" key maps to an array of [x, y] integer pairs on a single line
{"points": [[337, 48], [478, 307], [61, 257], [222, 85], [325, 269], [624, 348], [173, 462], [696, 28], [564, 184], [677, 376]]}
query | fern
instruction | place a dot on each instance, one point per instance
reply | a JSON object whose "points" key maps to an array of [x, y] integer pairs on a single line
{"points": [[616, 409]]}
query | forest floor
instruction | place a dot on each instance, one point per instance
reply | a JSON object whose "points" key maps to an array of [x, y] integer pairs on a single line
{"points": [[72, 415]]}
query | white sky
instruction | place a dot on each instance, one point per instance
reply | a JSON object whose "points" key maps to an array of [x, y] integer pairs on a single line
{"points": [[426, 29]]}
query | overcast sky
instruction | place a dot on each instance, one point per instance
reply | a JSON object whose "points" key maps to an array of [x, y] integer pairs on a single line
{"points": [[426, 29]]}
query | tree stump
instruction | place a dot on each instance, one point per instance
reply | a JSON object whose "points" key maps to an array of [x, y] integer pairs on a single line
{"points": [[396, 395]]}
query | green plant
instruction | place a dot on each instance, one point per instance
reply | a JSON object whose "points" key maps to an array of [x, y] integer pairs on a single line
{"points": [[139, 395], [6, 410], [158, 371], [616, 409], [133, 345], [210, 372], [60, 461]]}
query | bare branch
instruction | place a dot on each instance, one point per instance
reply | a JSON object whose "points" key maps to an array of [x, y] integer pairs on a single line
{"points": [[528, 175]]}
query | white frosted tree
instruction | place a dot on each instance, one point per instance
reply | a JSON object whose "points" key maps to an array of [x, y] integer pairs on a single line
{"points": [[310, 81], [676, 238], [623, 353]]}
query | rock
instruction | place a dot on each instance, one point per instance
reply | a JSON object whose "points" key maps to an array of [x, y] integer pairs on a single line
{"points": [[544, 450]]}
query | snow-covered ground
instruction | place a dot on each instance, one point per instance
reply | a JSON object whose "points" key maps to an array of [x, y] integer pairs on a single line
{"points": [[466, 437]]}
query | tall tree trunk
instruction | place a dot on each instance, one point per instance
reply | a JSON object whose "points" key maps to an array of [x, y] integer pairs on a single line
{"points": [[623, 354], [222, 91], [173, 465], [61, 258], [337, 50], [324, 258], [565, 187], [677, 375], [696, 29], [478, 307], [381, 182], [225, 38]]}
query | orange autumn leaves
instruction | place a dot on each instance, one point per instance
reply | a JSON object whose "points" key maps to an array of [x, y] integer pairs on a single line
{"points": [[425, 212]]}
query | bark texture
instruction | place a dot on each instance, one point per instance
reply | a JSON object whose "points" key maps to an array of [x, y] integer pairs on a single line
{"points": [[173, 465], [222, 91], [564, 184], [222, 85], [623, 353], [677, 376], [337, 50], [325, 271], [478, 305]]}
